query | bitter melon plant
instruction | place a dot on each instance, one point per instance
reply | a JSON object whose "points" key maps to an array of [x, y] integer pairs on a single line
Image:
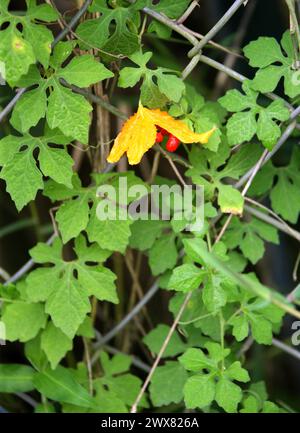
{"points": [[143, 313]]}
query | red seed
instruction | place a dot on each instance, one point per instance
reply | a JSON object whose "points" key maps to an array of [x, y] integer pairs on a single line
{"points": [[164, 131], [159, 137], [172, 143]]}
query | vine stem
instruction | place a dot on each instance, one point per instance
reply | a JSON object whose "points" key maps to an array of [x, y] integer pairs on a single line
{"points": [[188, 11], [12, 103], [268, 155], [73, 22], [195, 52], [276, 221], [217, 27], [160, 354], [285, 348], [113, 332]]}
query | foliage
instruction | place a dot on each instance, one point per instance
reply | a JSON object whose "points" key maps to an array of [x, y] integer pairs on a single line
{"points": [[75, 283]]}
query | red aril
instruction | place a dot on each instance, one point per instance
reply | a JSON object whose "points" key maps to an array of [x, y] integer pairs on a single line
{"points": [[172, 143], [159, 137]]}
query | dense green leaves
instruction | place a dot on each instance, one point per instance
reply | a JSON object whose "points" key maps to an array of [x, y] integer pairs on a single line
{"points": [[66, 295], [250, 237], [159, 85], [283, 185], [60, 385], [156, 337], [163, 254], [105, 221], [55, 344], [263, 122], [63, 302], [16, 378], [208, 170], [215, 380], [164, 389], [122, 39], [266, 54], [20, 49], [65, 110], [23, 320], [19, 169]]}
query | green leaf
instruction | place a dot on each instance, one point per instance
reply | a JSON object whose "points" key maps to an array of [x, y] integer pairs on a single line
{"points": [[129, 77], [60, 385], [236, 372], [22, 178], [261, 329], [111, 234], [155, 339], [195, 360], [193, 248], [163, 388], [99, 282], [119, 363], [21, 48], [16, 378], [126, 388], [163, 254], [106, 401], [150, 94], [252, 247], [213, 293], [68, 305], [249, 237], [158, 86], [40, 39], [241, 127], [263, 52], [110, 31], [55, 344], [144, 233], [34, 353], [228, 395], [266, 54], [170, 85], [57, 164], [199, 391], [171, 9], [242, 161], [86, 329], [267, 130], [23, 321], [270, 407], [250, 405], [240, 327], [69, 112], [20, 172], [259, 120], [185, 278], [285, 194], [230, 200], [34, 103], [84, 71], [72, 217], [66, 292], [16, 53]]}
